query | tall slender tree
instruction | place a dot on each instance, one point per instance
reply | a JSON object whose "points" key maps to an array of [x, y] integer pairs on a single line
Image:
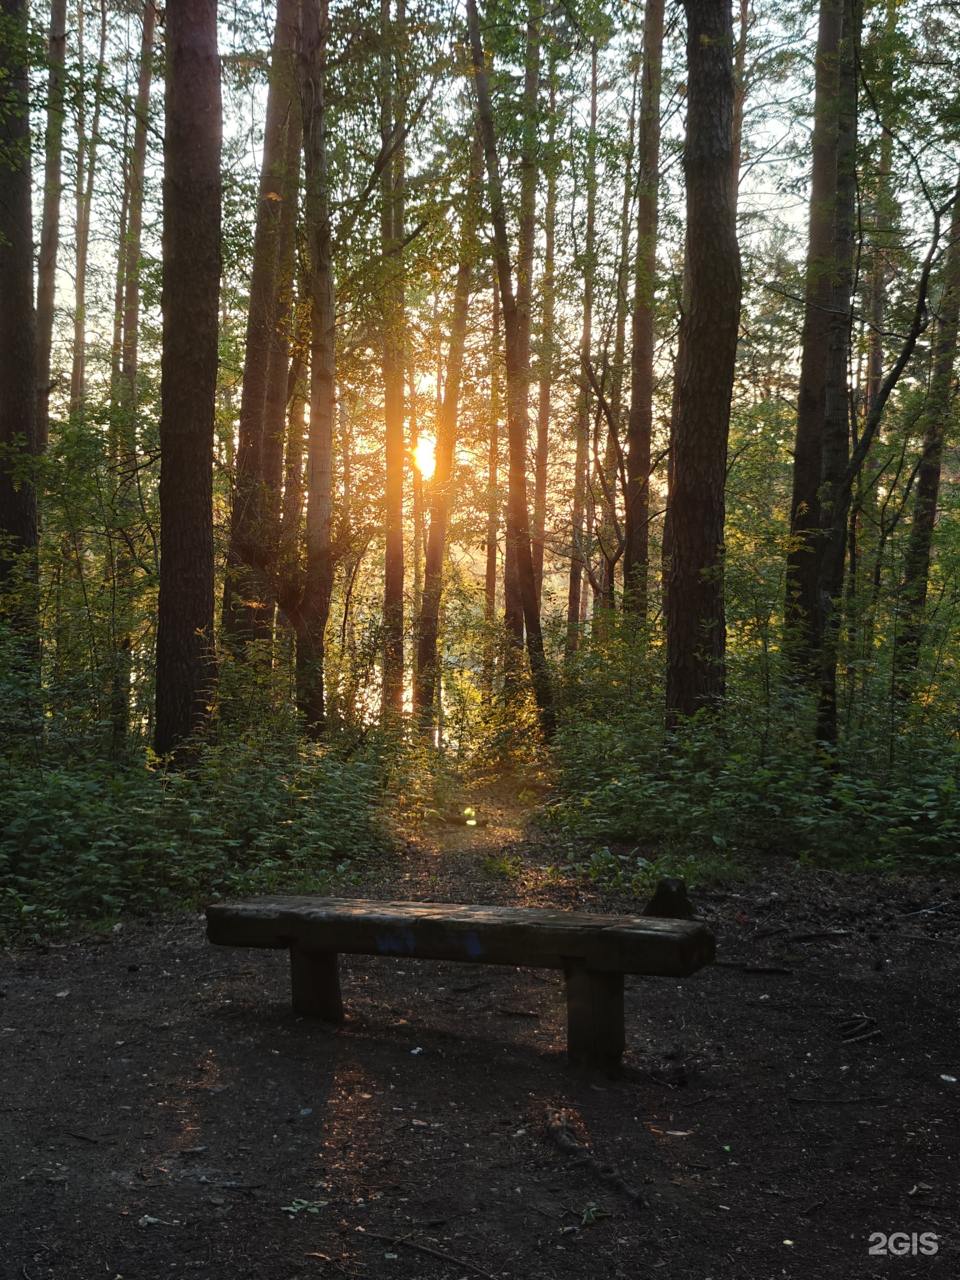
{"points": [[425, 686], [18, 437], [704, 375], [517, 380], [589, 265], [803, 558], [391, 235], [247, 611], [50, 223], [640, 423], [314, 607], [186, 663]]}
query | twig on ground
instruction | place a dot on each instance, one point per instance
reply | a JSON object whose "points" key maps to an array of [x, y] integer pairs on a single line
{"points": [[559, 1132], [433, 1253]]}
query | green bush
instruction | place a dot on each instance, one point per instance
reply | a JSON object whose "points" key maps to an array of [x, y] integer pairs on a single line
{"points": [[91, 841], [749, 781]]}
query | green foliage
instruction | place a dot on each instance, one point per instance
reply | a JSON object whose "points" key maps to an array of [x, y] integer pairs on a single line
{"points": [[746, 782], [82, 840]]}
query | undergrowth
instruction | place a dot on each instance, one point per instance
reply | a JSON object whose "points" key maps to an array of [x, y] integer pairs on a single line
{"points": [[84, 840]]}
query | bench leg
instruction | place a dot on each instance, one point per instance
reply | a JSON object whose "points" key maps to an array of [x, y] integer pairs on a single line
{"points": [[595, 1036], [316, 984]]}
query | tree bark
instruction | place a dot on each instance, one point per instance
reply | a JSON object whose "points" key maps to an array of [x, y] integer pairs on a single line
{"points": [[87, 146], [705, 367], [528, 167], [18, 356], [313, 614], [425, 690], [247, 614], [640, 423], [493, 460], [391, 231], [50, 221], [186, 665], [588, 266], [834, 493], [517, 377], [801, 606], [547, 338]]}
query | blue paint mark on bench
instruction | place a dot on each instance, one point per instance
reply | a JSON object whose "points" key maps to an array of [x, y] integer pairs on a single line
{"points": [[473, 946], [401, 943]]}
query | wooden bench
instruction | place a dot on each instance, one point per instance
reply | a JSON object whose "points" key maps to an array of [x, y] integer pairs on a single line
{"points": [[593, 951]]}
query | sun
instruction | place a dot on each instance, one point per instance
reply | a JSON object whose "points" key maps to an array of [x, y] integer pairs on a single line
{"points": [[425, 456]]}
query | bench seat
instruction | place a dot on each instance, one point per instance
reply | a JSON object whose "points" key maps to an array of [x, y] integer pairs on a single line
{"points": [[593, 951]]}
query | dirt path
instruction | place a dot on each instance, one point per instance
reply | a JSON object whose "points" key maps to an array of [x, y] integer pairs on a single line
{"points": [[163, 1113]]}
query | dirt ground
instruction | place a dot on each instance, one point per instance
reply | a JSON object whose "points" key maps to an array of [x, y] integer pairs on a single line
{"points": [[163, 1112]]}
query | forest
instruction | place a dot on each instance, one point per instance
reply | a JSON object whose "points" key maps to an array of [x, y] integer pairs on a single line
{"points": [[480, 520], [393, 396]]}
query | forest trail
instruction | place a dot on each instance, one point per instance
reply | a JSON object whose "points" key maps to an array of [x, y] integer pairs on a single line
{"points": [[467, 850]]}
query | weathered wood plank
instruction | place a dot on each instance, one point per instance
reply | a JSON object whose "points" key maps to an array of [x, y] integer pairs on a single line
{"points": [[451, 931], [315, 982], [595, 1031]]}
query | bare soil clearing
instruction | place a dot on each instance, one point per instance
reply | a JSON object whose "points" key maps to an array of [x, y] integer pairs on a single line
{"points": [[164, 1112]]}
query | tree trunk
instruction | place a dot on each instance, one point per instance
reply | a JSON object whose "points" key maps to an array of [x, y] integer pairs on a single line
{"points": [[50, 223], [87, 145], [834, 491], [936, 419], [391, 232], [547, 339], [513, 613], [247, 614], [425, 689], [186, 667], [705, 366], [608, 534], [130, 251], [314, 611], [588, 266], [516, 386], [493, 459], [276, 396], [640, 423], [18, 356], [801, 608]]}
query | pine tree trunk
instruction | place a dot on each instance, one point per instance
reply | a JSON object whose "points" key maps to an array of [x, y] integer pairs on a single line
{"points": [[636, 552], [186, 665], [50, 222], [578, 542], [18, 355], [517, 379], [314, 612], [835, 489], [609, 535], [547, 339], [86, 173], [125, 381], [425, 690], [247, 613], [705, 366], [513, 610], [391, 233], [801, 606], [493, 460]]}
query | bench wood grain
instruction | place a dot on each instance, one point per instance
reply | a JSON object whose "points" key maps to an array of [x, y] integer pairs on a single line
{"points": [[593, 951]]}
